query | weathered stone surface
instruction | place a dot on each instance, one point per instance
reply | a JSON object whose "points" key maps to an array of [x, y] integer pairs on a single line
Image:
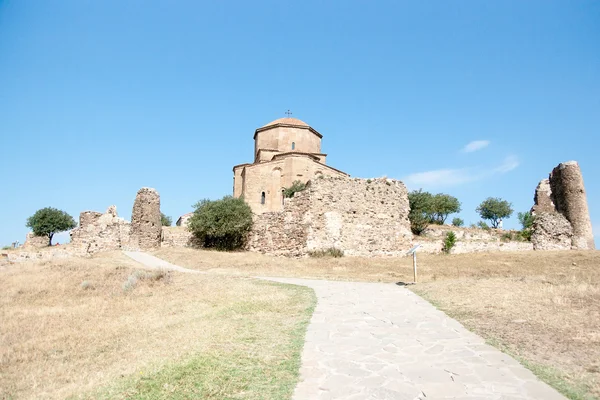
{"points": [[100, 232], [543, 198], [563, 193], [469, 240], [567, 186], [378, 341], [362, 217], [551, 231], [178, 236], [146, 226], [32, 241], [89, 217]]}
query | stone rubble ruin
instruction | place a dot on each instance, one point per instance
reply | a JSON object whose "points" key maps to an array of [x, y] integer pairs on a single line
{"points": [[562, 218], [100, 232], [146, 225], [104, 232]]}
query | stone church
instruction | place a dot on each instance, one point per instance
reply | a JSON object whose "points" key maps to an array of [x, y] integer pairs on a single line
{"points": [[285, 150]]}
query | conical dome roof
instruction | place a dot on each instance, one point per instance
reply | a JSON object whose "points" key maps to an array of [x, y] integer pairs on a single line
{"points": [[286, 121]]}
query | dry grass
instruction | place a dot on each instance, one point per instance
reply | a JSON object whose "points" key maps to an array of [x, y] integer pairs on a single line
{"points": [[71, 327], [541, 306]]}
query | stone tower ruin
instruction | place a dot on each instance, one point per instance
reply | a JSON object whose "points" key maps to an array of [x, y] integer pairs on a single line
{"points": [[562, 218], [145, 220]]}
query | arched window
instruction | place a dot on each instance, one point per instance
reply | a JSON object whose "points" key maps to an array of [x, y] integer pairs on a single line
{"points": [[262, 198], [293, 145], [282, 197]]}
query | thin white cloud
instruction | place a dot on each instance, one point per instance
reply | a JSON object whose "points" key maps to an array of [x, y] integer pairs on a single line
{"points": [[440, 177], [475, 145], [458, 176], [510, 163]]}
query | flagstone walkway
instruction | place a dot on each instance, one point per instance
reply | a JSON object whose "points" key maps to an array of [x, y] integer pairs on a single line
{"points": [[381, 341]]}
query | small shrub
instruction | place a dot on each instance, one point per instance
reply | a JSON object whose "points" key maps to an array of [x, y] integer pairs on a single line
{"points": [[449, 242], [526, 219], [526, 234], [507, 236], [369, 181], [483, 225], [457, 222], [330, 252], [297, 186], [165, 220], [87, 285], [130, 283], [474, 226], [7, 248], [153, 275]]}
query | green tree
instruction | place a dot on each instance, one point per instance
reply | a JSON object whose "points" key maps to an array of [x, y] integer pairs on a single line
{"points": [[222, 224], [48, 221], [443, 205], [420, 214], [457, 221], [165, 220], [494, 209], [526, 219], [297, 186]]}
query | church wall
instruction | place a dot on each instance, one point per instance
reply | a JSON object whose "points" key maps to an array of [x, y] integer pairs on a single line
{"points": [[281, 138], [238, 182], [266, 155], [275, 175]]}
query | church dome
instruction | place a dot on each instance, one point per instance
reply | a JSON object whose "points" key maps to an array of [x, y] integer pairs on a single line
{"points": [[286, 121]]}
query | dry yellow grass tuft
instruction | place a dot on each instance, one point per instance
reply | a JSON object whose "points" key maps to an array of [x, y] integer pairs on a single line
{"points": [[542, 306], [71, 326]]}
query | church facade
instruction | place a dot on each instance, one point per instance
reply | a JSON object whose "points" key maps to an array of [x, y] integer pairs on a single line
{"points": [[285, 150]]}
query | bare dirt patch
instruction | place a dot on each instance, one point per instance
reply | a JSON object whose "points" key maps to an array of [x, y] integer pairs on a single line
{"points": [[541, 306], [100, 327]]}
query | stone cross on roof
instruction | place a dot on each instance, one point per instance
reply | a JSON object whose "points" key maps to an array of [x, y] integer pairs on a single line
{"points": [[288, 113]]}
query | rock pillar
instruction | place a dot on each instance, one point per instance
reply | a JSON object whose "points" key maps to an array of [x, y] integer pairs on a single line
{"points": [[145, 220], [566, 183], [561, 200]]}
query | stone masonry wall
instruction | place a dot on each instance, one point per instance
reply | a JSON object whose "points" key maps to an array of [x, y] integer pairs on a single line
{"points": [[146, 224], [285, 232], [32, 241], [561, 210], [469, 240], [100, 232], [362, 217], [178, 236]]}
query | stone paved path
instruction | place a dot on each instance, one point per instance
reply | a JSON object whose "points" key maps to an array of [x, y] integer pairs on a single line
{"points": [[381, 341]]}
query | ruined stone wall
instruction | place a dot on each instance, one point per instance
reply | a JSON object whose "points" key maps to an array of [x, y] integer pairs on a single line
{"points": [[100, 232], [178, 236], [560, 201], [362, 217], [551, 231], [146, 224], [33, 242], [285, 232], [470, 240]]}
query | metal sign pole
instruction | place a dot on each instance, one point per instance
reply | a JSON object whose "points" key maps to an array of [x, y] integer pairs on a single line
{"points": [[413, 251], [415, 265]]}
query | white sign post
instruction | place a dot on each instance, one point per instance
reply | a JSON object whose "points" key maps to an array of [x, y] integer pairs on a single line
{"points": [[413, 251]]}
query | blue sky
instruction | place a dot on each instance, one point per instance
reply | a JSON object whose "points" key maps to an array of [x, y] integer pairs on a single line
{"points": [[470, 98]]}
